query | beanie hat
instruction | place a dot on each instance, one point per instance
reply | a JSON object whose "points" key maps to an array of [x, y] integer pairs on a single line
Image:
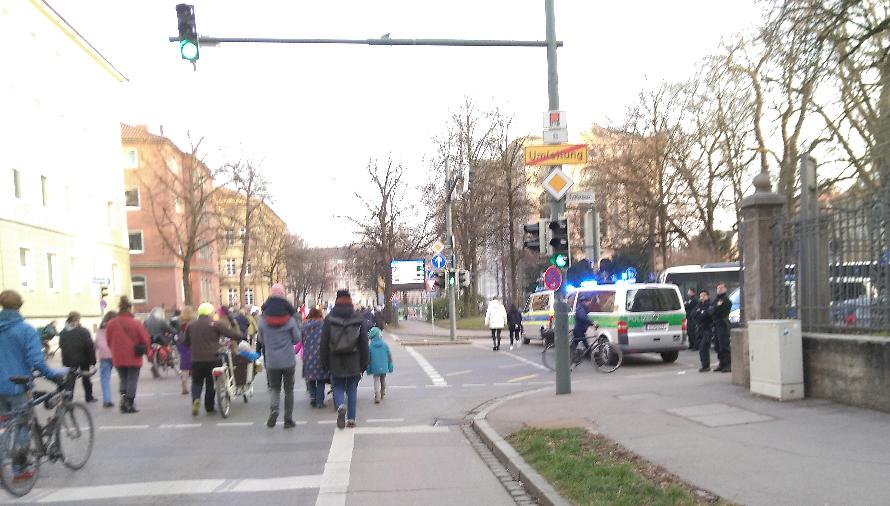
{"points": [[205, 309], [277, 290], [343, 297], [374, 333]]}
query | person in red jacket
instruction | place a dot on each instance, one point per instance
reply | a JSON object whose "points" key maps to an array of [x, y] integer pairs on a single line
{"points": [[128, 341]]}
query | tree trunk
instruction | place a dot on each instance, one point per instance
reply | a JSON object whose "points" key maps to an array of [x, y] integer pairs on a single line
{"points": [[187, 281], [882, 137]]}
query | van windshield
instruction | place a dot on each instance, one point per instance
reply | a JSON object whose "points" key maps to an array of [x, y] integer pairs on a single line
{"points": [[652, 299]]}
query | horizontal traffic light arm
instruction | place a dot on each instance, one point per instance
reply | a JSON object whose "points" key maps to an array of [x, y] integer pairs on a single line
{"points": [[210, 41]]}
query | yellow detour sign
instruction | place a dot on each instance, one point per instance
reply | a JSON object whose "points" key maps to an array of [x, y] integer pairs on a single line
{"points": [[556, 154]]}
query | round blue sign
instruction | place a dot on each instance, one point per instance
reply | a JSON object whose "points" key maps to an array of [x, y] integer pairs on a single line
{"points": [[439, 262]]}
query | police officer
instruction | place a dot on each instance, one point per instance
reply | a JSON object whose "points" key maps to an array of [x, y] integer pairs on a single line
{"points": [[704, 324], [691, 304], [720, 317]]}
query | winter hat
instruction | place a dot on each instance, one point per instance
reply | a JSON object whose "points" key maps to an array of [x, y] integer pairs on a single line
{"points": [[205, 309], [374, 333], [343, 297], [277, 290]]}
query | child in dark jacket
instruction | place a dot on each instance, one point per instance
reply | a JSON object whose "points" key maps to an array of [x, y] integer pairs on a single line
{"points": [[380, 363]]}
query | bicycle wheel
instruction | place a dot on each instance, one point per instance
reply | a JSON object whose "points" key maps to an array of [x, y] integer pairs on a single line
{"points": [[605, 356], [19, 458], [74, 434], [548, 356], [223, 399]]}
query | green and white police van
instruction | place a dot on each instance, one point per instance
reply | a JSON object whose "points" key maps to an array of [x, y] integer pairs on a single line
{"points": [[637, 317]]}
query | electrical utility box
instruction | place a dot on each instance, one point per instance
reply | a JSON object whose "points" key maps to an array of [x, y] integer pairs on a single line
{"points": [[776, 358]]}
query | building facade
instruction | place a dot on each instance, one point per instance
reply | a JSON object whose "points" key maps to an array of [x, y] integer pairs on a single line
{"points": [[268, 240], [63, 231], [162, 186]]}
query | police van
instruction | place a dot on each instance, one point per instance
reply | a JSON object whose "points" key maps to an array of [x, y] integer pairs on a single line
{"points": [[637, 317], [537, 318]]}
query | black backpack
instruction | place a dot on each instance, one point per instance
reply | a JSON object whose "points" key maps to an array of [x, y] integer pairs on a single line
{"points": [[345, 334]]}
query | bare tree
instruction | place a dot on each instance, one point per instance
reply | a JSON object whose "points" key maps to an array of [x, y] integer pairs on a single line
{"points": [[252, 190]]}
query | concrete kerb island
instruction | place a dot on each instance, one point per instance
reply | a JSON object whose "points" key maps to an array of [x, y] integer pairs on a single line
{"points": [[536, 485]]}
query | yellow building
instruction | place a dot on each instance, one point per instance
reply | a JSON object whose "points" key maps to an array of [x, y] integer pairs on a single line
{"points": [[63, 229], [268, 240]]}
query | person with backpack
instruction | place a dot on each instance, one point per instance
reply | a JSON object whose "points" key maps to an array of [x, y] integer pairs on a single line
{"points": [[280, 334], [344, 352], [47, 334], [380, 364], [78, 351]]}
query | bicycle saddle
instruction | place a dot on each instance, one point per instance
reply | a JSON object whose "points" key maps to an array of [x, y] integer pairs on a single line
{"points": [[20, 380]]}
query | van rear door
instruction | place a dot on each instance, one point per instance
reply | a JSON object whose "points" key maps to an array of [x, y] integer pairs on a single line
{"points": [[655, 319]]}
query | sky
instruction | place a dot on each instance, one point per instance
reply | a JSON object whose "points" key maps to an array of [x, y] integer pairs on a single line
{"points": [[314, 116]]}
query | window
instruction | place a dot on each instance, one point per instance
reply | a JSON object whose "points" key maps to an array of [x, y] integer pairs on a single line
{"points": [[52, 270], [44, 189], [131, 159], [602, 301], [206, 286], [174, 167], [136, 245], [233, 296], [230, 267], [230, 237], [131, 197], [16, 183], [653, 299], [26, 269], [540, 302], [75, 279], [248, 296], [205, 252], [241, 233], [140, 289], [248, 269]]}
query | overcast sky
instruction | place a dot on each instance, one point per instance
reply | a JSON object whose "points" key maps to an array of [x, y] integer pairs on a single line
{"points": [[314, 115]]}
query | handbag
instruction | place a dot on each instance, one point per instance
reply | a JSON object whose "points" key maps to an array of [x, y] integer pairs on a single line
{"points": [[139, 349]]}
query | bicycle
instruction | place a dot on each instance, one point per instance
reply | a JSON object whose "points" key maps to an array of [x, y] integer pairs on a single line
{"points": [[604, 356], [164, 357], [67, 434]]}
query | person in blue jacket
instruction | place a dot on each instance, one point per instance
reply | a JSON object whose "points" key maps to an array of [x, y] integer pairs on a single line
{"points": [[380, 364], [20, 353]]}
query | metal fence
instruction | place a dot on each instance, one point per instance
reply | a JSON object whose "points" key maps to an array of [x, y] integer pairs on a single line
{"points": [[832, 265]]}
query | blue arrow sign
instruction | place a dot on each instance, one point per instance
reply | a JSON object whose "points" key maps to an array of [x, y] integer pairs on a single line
{"points": [[439, 262]]}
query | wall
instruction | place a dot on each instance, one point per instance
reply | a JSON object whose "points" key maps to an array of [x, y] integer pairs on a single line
{"points": [[851, 370]]}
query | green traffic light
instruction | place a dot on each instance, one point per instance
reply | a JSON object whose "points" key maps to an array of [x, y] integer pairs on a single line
{"points": [[188, 49], [451, 279], [560, 260]]}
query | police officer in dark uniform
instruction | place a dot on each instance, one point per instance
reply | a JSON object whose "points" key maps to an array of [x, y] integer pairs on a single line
{"points": [[704, 324], [691, 304], [720, 317]]}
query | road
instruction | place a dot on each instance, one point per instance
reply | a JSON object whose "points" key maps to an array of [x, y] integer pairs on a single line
{"points": [[410, 448]]}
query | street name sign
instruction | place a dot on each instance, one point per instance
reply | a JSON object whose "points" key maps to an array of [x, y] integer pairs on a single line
{"points": [[556, 154], [557, 183], [556, 136], [581, 197]]}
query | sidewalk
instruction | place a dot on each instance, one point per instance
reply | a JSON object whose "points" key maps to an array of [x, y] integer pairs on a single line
{"points": [[416, 328], [716, 436]]}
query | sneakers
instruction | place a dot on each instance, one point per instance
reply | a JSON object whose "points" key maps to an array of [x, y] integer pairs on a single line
{"points": [[25, 475], [196, 407], [376, 398], [704, 369], [312, 403], [273, 419], [341, 417], [726, 369], [718, 369], [107, 404], [511, 347], [350, 424], [289, 424], [92, 400]]}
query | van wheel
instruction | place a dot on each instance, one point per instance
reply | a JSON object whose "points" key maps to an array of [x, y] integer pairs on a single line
{"points": [[670, 357]]}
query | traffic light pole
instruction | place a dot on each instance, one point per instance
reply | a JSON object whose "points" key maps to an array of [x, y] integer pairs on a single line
{"points": [[557, 207], [449, 234]]}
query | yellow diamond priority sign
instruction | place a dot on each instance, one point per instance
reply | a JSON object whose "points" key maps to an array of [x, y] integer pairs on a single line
{"points": [[557, 183]]}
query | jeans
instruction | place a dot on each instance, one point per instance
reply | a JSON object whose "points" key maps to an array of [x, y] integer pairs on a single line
{"points": [[316, 391], [276, 378], [348, 386], [105, 379], [202, 375], [129, 380], [10, 403]]}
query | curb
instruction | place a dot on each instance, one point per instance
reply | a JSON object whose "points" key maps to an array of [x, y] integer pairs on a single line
{"points": [[536, 485]]}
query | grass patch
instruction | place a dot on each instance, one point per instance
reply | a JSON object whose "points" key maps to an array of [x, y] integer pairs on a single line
{"points": [[588, 469], [471, 323]]}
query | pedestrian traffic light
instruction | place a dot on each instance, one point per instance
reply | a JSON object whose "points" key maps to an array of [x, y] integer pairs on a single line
{"points": [[103, 291], [188, 32], [464, 279], [452, 278], [536, 235]]}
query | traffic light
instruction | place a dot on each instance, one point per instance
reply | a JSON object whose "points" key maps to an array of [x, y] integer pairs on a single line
{"points": [[464, 279], [536, 235], [188, 32], [452, 278], [559, 243], [103, 291]]}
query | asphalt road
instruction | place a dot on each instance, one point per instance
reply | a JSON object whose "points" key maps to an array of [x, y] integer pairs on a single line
{"points": [[408, 449]]}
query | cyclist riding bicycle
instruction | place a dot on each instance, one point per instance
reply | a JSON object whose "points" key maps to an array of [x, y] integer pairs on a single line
{"points": [[582, 323], [20, 353]]}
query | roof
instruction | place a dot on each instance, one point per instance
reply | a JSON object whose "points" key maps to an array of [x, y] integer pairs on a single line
{"points": [[140, 133]]}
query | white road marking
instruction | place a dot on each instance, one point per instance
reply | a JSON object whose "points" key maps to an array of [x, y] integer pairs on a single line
{"points": [[400, 387], [540, 382], [458, 373], [385, 420], [424, 364], [437, 386], [301, 422], [527, 361], [504, 384], [187, 425], [122, 427], [327, 422], [508, 366], [178, 487], [473, 385], [523, 378], [234, 424]]}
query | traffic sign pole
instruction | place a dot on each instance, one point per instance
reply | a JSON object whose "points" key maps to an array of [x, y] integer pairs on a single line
{"points": [[557, 206]]}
